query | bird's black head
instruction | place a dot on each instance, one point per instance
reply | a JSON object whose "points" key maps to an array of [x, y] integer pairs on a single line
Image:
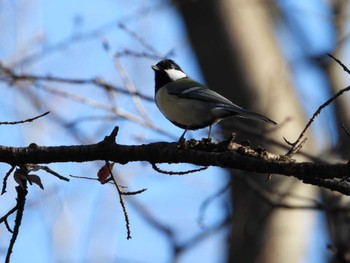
{"points": [[166, 64], [167, 71]]}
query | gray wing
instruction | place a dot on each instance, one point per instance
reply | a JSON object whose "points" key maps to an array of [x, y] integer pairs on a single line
{"points": [[189, 89]]}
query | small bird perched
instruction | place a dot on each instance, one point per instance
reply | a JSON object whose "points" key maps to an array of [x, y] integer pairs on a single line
{"points": [[190, 105]]}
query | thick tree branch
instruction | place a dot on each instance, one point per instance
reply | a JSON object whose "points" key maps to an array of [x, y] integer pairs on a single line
{"points": [[226, 154]]}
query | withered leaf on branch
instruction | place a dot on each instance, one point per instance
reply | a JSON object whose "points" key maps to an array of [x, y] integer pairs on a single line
{"points": [[35, 179]]}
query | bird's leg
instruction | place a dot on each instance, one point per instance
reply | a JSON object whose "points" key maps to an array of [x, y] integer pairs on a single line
{"points": [[209, 134], [182, 138]]}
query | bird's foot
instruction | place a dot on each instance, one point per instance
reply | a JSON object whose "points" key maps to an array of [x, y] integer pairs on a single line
{"points": [[206, 140], [182, 143]]}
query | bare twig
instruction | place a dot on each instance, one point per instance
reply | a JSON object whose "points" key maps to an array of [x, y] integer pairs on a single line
{"points": [[83, 100], [92, 34], [156, 168], [8, 226], [143, 42], [273, 198], [318, 111], [132, 90], [128, 84], [36, 167], [21, 199], [153, 221], [10, 212], [297, 147], [121, 201], [110, 139], [4, 182], [84, 177], [130, 53], [210, 199], [134, 192], [23, 121], [202, 236], [118, 112], [345, 129], [345, 68], [9, 76], [48, 170]]}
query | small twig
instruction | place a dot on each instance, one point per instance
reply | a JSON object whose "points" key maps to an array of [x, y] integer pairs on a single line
{"points": [[134, 192], [83, 177], [193, 241], [131, 89], [48, 170], [23, 121], [11, 77], [36, 167], [91, 34], [287, 142], [208, 200], [345, 129], [8, 226], [141, 40], [118, 112], [130, 53], [21, 199], [112, 137], [10, 212], [317, 112], [345, 68], [331, 184], [151, 219], [127, 83], [273, 198], [156, 168], [4, 182], [92, 179], [121, 201], [297, 147]]}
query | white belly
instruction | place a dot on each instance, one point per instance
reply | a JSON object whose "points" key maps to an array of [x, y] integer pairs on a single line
{"points": [[186, 112]]}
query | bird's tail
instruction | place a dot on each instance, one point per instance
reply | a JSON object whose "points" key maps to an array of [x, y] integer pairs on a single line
{"points": [[246, 114]]}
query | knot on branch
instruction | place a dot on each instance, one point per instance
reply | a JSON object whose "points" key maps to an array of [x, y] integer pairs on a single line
{"points": [[110, 139]]}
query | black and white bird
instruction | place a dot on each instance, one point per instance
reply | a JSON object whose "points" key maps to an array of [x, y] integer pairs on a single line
{"points": [[190, 105]]}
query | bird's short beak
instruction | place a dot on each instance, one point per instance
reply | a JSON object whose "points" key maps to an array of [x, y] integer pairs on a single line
{"points": [[155, 68]]}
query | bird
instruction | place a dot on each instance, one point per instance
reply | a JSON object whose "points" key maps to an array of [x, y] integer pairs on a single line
{"points": [[191, 105]]}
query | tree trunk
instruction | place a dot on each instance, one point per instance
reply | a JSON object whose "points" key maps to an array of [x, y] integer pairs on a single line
{"points": [[338, 222], [237, 50]]}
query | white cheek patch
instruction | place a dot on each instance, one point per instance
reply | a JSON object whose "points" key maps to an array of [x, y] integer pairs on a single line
{"points": [[175, 74]]}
